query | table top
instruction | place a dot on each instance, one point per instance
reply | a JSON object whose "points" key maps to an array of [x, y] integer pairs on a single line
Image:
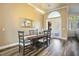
{"points": [[34, 37]]}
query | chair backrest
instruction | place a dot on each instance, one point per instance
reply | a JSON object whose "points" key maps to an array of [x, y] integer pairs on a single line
{"points": [[48, 33], [21, 35], [36, 32], [45, 32], [31, 32]]}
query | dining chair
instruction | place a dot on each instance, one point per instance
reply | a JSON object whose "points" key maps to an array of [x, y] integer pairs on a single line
{"points": [[31, 32], [44, 39], [23, 42], [36, 31], [49, 36]]}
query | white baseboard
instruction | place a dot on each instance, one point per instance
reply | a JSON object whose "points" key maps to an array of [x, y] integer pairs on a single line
{"points": [[64, 38], [7, 46]]}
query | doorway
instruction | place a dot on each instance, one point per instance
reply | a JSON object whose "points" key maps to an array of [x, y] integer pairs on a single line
{"points": [[55, 19]]}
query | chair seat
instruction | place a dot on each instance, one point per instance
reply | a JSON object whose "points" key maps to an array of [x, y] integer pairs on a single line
{"points": [[48, 38], [42, 40], [28, 43]]}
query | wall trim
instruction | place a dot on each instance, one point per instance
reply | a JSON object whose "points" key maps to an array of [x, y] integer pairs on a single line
{"points": [[7, 46], [64, 38]]}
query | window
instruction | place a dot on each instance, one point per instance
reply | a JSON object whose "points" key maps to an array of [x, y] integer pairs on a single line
{"points": [[54, 14], [73, 22]]}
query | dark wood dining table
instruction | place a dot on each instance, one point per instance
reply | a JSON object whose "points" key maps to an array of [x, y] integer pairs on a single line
{"points": [[35, 38]]}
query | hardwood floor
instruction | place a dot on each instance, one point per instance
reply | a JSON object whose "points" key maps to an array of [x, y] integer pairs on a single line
{"points": [[56, 48]]}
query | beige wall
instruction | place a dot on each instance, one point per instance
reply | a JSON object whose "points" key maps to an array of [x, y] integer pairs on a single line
{"points": [[10, 15], [2, 38], [64, 21]]}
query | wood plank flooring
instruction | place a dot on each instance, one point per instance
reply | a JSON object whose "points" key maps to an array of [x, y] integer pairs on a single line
{"points": [[56, 48]]}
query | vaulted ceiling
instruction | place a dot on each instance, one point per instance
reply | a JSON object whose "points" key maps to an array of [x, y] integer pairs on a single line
{"points": [[74, 8], [48, 6]]}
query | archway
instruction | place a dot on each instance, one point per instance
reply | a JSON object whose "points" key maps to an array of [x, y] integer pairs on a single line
{"points": [[55, 19]]}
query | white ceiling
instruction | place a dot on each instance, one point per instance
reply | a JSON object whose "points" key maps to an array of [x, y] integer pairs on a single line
{"points": [[74, 8], [48, 6]]}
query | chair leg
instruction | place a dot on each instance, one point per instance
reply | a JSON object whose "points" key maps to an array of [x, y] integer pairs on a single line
{"points": [[23, 50], [43, 44], [47, 43], [19, 48]]}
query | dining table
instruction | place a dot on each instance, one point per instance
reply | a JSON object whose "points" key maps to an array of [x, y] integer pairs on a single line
{"points": [[34, 38]]}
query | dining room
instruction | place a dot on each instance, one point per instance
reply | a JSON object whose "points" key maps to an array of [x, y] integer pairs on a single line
{"points": [[26, 29]]}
